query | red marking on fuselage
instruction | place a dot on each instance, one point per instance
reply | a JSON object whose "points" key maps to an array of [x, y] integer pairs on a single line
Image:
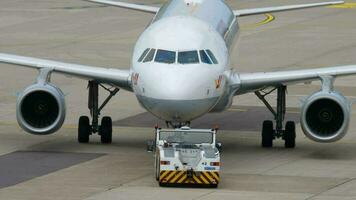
{"points": [[218, 82], [135, 78]]}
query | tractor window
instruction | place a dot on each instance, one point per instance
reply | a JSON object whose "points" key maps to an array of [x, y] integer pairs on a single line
{"points": [[186, 137]]}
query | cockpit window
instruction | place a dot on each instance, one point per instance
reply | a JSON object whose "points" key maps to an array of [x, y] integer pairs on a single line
{"points": [[143, 55], [188, 57], [204, 58], [183, 57], [150, 55], [163, 56], [211, 55]]}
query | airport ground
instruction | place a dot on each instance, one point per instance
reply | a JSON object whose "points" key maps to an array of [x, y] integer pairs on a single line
{"points": [[57, 167]]}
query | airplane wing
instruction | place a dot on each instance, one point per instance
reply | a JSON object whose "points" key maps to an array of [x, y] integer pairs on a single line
{"points": [[144, 8], [116, 77], [238, 13], [256, 11], [250, 82]]}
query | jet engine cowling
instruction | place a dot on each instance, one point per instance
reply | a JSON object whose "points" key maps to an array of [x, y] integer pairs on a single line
{"points": [[325, 116], [41, 109]]}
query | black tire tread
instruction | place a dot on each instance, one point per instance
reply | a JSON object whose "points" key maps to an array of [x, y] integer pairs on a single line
{"points": [[106, 130], [157, 171], [84, 129], [267, 134], [289, 135]]}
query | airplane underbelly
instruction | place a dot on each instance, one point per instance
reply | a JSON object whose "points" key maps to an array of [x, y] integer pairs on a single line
{"points": [[177, 110]]}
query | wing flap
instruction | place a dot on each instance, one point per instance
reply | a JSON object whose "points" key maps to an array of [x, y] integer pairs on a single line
{"points": [[256, 11], [116, 77], [144, 8]]}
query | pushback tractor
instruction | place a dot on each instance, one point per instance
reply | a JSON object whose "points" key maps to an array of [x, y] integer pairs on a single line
{"points": [[186, 157]]}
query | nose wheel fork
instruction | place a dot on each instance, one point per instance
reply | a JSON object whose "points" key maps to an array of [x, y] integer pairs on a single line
{"points": [[269, 133], [85, 129], [177, 124]]}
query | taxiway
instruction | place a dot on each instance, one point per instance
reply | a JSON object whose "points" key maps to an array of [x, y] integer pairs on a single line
{"points": [[57, 167]]}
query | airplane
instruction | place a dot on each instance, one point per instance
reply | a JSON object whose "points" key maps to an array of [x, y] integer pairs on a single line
{"points": [[180, 71]]}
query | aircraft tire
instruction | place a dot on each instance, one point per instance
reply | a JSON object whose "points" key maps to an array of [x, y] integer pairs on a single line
{"points": [[106, 130], [267, 134], [289, 135], [83, 129], [157, 169]]}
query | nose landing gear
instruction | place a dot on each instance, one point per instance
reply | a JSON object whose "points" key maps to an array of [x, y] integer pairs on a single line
{"points": [[177, 124], [85, 129]]}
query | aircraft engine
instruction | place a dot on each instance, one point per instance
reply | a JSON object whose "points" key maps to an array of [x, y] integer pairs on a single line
{"points": [[41, 109], [325, 116]]}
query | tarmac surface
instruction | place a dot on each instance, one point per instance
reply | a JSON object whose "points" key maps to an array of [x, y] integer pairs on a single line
{"points": [[57, 167]]}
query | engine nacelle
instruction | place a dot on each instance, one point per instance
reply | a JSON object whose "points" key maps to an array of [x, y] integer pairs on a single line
{"points": [[41, 109], [325, 116], [224, 102]]}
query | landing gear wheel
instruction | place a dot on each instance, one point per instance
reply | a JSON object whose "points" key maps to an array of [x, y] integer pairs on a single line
{"points": [[267, 134], [157, 169], [84, 129], [106, 130], [289, 135]]}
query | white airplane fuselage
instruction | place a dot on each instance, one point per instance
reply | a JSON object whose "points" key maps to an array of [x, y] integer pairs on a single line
{"points": [[180, 91]]}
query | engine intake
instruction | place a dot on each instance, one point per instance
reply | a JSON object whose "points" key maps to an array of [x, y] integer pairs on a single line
{"points": [[41, 109], [325, 116]]}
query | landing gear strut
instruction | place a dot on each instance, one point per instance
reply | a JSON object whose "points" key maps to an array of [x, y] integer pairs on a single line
{"points": [[85, 129], [268, 131]]}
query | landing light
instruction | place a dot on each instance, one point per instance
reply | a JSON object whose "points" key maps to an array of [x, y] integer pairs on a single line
{"points": [[165, 162], [215, 164]]}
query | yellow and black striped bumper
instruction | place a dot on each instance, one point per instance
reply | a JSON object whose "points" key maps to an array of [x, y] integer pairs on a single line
{"points": [[181, 177]]}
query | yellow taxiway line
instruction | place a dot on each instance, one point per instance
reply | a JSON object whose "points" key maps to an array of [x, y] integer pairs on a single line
{"points": [[269, 18], [345, 5]]}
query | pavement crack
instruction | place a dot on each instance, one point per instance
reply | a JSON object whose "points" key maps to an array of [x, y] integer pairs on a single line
{"points": [[203, 195], [280, 165], [133, 180], [330, 188]]}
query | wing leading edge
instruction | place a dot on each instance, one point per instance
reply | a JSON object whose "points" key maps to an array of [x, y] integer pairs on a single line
{"points": [[132, 6], [249, 82], [238, 13], [116, 77], [256, 11]]}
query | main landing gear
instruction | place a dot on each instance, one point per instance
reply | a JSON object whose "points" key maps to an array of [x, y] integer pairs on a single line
{"points": [[269, 133], [85, 129]]}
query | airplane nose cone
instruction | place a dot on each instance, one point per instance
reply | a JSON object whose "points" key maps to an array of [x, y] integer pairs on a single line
{"points": [[180, 96], [177, 110], [179, 83]]}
